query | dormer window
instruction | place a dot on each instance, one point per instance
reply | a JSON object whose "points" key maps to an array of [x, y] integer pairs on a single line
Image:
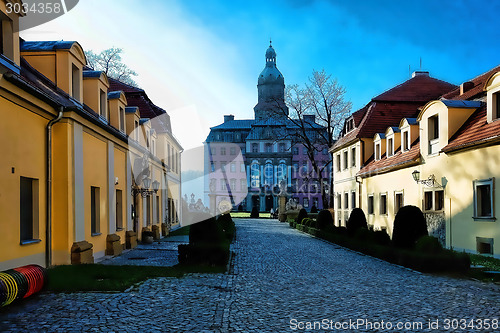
{"points": [[349, 125], [103, 104], [76, 78], [433, 130], [406, 140], [390, 147], [122, 119], [496, 105], [377, 151]]}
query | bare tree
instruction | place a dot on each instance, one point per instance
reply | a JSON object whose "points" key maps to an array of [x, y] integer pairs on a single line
{"points": [[110, 62], [324, 98]]}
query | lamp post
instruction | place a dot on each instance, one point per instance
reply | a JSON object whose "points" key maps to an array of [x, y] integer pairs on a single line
{"points": [[144, 191]]}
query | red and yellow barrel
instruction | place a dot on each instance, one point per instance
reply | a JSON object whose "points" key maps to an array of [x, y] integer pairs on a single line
{"points": [[21, 282]]}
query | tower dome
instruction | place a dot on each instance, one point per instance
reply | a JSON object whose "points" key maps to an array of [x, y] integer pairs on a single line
{"points": [[270, 86]]}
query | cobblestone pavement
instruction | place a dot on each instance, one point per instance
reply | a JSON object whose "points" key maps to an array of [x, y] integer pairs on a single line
{"points": [[278, 275]]}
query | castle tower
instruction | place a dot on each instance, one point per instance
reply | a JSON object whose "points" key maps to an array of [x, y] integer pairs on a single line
{"points": [[271, 90]]}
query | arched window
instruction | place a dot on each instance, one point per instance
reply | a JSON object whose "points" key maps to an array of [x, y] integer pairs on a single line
{"points": [[281, 172], [255, 175], [268, 174]]}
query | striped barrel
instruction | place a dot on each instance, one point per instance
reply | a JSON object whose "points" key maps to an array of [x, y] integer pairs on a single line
{"points": [[21, 282]]}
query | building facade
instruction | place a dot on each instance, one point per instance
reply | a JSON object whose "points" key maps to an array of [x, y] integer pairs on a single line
{"points": [[70, 145], [250, 161], [442, 159]]}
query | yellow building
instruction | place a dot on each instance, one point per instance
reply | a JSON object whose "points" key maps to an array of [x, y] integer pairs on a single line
{"points": [[444, 161], [72, 193]]}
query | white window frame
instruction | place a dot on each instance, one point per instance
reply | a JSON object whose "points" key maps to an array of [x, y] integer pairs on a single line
{"points": [[484, 182]]}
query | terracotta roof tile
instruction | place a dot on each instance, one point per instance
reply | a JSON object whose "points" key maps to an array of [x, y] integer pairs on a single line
{"points": [[476, 130], [477, 88], [388, 108], [398, 160]]}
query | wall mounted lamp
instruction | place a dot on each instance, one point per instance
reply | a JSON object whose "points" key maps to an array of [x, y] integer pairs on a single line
{"points": [[430, 181]]}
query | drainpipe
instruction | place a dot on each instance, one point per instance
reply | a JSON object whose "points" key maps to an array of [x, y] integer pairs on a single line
{"points": [[48, 227]]}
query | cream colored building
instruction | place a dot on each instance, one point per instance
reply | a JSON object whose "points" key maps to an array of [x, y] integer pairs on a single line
{"points": [[444, 161]]}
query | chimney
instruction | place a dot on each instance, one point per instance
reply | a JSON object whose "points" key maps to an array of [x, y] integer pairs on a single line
{"points": [[420, 73], [228, 117], [466, 86]]}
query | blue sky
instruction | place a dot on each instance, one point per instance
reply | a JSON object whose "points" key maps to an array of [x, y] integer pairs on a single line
{"points": [[200, 59]]}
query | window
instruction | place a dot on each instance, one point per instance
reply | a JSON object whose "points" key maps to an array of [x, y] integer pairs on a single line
{"points": [[148, 210], [242, 167], [383, 204], [496, 101], [346, 200], [255, 147], [212, 151], [281, 174], [95, 214], [406, 140], [223, 150], [398, 201], [268, 174], [353, 199], [233, 167], [306, 202], [345, 160], [75, 82], [29, 209], [370, 205], [212, 166], [223, 185], [281, 147], [223, 166], [353, 157], [483, 198], [484, 245], [434, 200], [295, 151], [122, 119], [119, 210], [304, 166], [158, 209], [338, 162], [153, 147], [377, 151], [136, 130], [390, 147], [243, 184], [304, 151], [255, 175], [339, 201], [295, 167], [269, 147], [433, 129], [349, 125], [232, 184], [102, 104], [232, 150], [315, 202], [219, 137]]}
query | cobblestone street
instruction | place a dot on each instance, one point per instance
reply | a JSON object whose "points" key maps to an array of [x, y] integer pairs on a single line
{"points": [[279, 277]]}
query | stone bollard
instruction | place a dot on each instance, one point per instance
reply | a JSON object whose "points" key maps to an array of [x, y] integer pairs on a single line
{"points": [[156, 232], [164, 229], [113, 245], [130, 239], [82, 253]]}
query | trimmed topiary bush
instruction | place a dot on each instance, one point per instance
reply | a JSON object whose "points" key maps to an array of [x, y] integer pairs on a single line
{"points": [[428, 244], [381, 237], [325, 220], [226, 223], [302, 215], [254, 213], [409, 226], [356, 220]]}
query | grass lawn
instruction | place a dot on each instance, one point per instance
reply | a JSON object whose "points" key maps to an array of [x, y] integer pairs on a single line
{"points": [[95, 277], [180, 232], [247, 215], [489, 263]]}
